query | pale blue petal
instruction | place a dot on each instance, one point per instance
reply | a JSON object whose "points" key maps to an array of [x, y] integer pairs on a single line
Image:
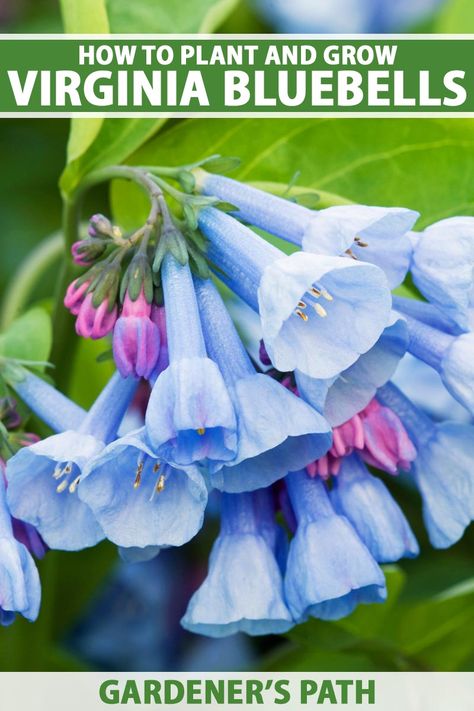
{"points": [[277, 433], [378, 520], [457, 370], [62, 519], [188, 396], [356, 315], [138, 516], [443, 267]]}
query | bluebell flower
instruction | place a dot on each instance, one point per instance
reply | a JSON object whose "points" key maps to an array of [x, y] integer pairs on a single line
{"points": [[373, 234], [443, 469], [426, 313], [20, 589], [329, 570], [277, 431], [43, 478], [346, 16], [342, 397], [243, 590], [451, 356], [190, 417], [367, 503], [318, 313], [139, 501], [443, 267]]}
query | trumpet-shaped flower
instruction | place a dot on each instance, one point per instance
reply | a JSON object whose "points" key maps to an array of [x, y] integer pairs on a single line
{"points": [[442, 470], [277, 431], [451, 356], [155, 505], [190, 417], [373, 234], [136, 340], [318, 313], [20, 589], [43, 478], [243, 590], [329, 570], [367, 503], [443, 267], [342, 397]]}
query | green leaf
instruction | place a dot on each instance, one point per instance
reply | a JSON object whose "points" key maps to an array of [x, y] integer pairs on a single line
{"points": [[427, 165], [83, 17], [457, 16], [29, 337], [90, 371], [115, 139]]}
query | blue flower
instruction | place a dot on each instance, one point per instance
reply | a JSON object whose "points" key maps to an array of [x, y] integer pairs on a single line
{"points": [[329, 570], [342, 397], [373, 234], [277, 431], [189, 417], [43, 478], [451, 356], [443, 267], [367, 503], [346, 16], [139, 501], [443, 469], [243, 590], [50, 405], [20, 589], [318, 313], [426, 313]]}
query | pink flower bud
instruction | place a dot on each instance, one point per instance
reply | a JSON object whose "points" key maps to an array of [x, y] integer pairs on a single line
{"points": [[387, 444], [75, 295], [136, 341], [95, 322]]}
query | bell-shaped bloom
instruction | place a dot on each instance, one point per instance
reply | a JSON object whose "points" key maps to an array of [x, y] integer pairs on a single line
{"points": [[342, 397], [243, 591], [43, 478], [451, 356], [20, 589], [329, 570], [277, 432], [140, 501], [318, 313], [136, 340], [373, 234], [190, 417], [443, 267], [377, 518], [443, 469]]}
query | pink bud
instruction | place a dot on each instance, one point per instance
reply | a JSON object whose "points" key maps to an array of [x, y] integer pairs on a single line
{"points": [[78, 257], [95, 322], [158, 316], [387, 444], [136, 341], [140, 307], [75, 296]]}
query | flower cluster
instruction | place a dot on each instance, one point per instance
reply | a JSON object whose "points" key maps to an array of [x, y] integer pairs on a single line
{"points": [[285, 437]]}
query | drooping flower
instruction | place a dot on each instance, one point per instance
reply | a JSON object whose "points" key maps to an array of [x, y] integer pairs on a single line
{"points": [[277, 432], [378, 520], [329, 570], [140, 501], [243, 590], [136, 340], [442, 470], [451, 356], [190, 417], [43, 478], [345, 395], [20, 590], [372, 234], [289, 292], [443, 267]]}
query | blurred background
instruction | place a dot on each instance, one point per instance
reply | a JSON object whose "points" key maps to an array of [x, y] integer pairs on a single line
{"points": [[102, 613]]}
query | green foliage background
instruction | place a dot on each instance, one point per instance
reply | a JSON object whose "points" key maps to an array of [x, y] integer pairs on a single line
{"points": [[428, 622]]}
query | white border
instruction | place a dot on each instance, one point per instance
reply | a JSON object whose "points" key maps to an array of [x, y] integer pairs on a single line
{"points": [[237, 114]]}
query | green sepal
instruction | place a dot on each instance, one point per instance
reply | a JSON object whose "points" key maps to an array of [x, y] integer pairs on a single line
{"points": [[158, 297], [105, 356], [137, 277], [309, 200], [187, 181], [221, 164], [107, 286], [172, 241], [198, 262], [190, 216], [225, 206]]}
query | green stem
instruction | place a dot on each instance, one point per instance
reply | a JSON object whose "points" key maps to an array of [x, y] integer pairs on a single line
{"points": [[28, 276]]}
